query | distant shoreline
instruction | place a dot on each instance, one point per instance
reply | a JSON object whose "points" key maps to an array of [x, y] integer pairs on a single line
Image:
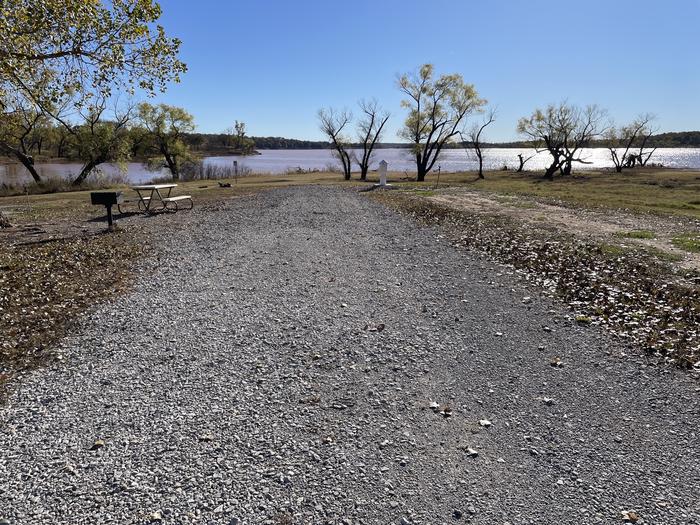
{"points": [[8, 160]]}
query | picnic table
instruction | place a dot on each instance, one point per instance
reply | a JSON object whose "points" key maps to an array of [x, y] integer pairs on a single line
{"points": [[151, 195]]}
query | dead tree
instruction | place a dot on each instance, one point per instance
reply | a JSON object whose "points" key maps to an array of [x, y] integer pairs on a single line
{"points": [[522, 160], [474, 135], [369, 132], [332, 124]]}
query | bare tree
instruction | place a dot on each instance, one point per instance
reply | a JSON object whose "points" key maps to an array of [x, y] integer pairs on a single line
{"points": [[522, 160], [474, 138], [369, 131], [437, 110], [332, 123], [645, 134], [563, 130], [620, 141]]}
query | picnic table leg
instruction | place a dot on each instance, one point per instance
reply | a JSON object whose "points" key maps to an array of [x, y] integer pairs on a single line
{"points": [[142, 203], [163, 204], [167, 196]]}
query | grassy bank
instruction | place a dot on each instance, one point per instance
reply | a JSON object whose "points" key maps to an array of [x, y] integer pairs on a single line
{"points": [[667, 191]]}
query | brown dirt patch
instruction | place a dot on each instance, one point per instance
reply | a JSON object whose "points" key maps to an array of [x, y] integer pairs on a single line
{"points": [[607, 225]]}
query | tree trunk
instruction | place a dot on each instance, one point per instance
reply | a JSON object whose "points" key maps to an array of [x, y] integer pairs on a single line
{"points": [[172, 165], [566, 168], [28, 163], [87, 168], [363, 172], [26, 160], [643, 161], [481, 167], [59, 149], [551, 170], [421, 172], [347, 166]]}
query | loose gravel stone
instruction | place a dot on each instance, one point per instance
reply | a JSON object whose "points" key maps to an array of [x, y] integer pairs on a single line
{"points": [[215, 386]]}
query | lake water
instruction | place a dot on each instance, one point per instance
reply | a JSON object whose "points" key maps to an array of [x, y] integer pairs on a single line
{"points": [[399, 160]]}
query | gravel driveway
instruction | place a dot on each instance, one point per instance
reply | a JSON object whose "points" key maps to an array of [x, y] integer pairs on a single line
{"points": [[305, 356]]}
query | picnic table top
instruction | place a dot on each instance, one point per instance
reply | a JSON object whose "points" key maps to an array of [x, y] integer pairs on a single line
{"points": [[153, 186]]}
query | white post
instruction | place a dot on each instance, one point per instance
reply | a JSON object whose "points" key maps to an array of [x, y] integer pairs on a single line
{"points": [[382, 173]]}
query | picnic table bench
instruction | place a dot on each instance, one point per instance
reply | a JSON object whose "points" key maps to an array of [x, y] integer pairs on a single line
{"points": [[149, 194]]}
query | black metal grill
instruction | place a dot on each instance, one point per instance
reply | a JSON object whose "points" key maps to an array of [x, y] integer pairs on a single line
{"points": [[107, 199]]}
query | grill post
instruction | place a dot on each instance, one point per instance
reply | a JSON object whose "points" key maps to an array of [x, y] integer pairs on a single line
{"points": [[110, 226]]}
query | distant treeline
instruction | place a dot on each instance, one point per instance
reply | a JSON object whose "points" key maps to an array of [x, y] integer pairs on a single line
{"points": [[213, 142], [220, 142], [681, 139]]}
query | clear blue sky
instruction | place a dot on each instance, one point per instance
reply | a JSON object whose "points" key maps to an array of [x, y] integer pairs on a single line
{"points": [[273, 63]]}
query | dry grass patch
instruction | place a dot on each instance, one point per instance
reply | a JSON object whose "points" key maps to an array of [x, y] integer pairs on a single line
{"points": [[44, 286], [667, 191]]}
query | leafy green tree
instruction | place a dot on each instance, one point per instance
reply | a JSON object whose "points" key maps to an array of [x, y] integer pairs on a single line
{"points": [[51, 49], [59, 139], [99, 140], [236, 139], [17, 124], [141, 141], [437, 109], [166, 126]]}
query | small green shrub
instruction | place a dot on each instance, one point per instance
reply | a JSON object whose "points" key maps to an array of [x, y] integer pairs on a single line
{"points": [[637, 234], [690, 242], [612, 249]]}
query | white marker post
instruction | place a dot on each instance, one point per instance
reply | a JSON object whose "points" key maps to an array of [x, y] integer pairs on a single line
{"points": [[382, 173]]}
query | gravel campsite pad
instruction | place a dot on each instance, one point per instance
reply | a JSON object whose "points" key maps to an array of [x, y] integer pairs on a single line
{"points": [[307, 356]]}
